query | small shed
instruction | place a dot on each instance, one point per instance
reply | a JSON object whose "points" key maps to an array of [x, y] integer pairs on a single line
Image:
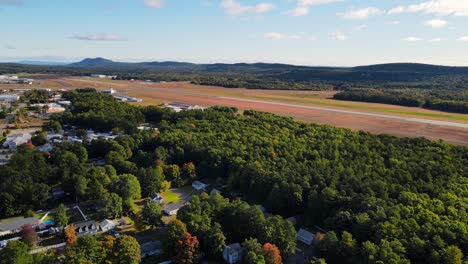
{"points": [[305, 237], [199, 186]]}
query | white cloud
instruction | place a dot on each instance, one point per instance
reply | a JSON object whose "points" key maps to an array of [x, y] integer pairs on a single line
{"points": [[273, 35], [234, 8], [412, 39], [154, 3], [303, 6], [436, 23], [438, 7], [396, 22], [463, 39], [435, 40], [97, 37], [339, 36], [397, 10], [363, 13]]}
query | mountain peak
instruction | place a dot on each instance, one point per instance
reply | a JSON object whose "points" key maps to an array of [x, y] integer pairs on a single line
{"points": [[91, 62]]}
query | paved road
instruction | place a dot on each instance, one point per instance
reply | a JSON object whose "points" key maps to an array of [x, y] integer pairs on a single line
{"points": [[332, 110]]}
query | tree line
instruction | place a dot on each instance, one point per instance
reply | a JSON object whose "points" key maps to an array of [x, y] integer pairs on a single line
{"points": [[457, 103]]}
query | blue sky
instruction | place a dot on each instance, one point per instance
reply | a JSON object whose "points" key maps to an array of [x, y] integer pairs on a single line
{"points": [[305, 32]]}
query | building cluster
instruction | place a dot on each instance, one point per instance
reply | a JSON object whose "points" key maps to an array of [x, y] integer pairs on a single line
{"points": [[5, 79], [9, 98], [179, 107], [122, 98], [103, 76]]}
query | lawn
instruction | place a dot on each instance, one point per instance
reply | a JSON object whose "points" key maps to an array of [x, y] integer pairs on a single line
{"points": [[170, 197]]}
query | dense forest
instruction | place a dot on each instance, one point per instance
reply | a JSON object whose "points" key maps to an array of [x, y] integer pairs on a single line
{"points": [[382, 199], [436, 100]]}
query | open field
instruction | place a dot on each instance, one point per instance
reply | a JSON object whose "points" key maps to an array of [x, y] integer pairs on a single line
{"points": [[309, 106]]}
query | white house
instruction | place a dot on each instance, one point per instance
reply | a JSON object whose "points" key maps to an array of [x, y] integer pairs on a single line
{"points": [[87, 228], [232, 253], [199, 186], [305, 237], [109, 91], [173, 208], [107, 225]]}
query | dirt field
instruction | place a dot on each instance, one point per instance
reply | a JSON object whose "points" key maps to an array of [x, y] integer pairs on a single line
{"points": [[309, 106]]}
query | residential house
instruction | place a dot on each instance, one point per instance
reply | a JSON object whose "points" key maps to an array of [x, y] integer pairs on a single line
{"points": [[232, 253], [13, 225], [16, 140], [87, 228], [173, 208], [199, 186], [107, 225], [305, 237]]}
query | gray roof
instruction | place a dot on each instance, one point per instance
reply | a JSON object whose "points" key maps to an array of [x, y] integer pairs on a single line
{"points": [[236, 247], [88, 224], [173, 206], [7, 225]]}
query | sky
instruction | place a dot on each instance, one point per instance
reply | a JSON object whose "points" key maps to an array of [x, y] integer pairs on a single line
{"points": [[302, 32]]}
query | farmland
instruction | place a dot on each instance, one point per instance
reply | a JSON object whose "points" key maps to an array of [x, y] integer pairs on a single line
{"points": [[308, 106]]}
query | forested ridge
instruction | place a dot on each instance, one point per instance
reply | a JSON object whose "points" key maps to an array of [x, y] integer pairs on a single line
{"points": [[381, 198], [436, 100]]}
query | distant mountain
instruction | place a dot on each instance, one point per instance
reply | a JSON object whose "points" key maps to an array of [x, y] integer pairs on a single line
{"points": [[412, 67], [45, 63], [408, 68], [96, 62]]}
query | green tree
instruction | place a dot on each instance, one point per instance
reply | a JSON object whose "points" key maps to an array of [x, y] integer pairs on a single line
{"points": [[175, 232], [453, 255], [252, 251], [111, 205], [61, 218], [152, 214], [128, 187], [214, 242], [127, 250], [150, 180], [85, 250], [172, 173], [16, 252]]}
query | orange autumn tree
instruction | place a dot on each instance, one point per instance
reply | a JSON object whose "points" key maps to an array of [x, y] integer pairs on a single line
{"points": [[186, 250], [272, 254], [70, 234]]}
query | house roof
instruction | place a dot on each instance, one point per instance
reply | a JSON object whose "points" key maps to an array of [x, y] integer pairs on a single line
{"points": [[305, 236], [107, 222], [17, 223], [86, 224], [236, 247], [173, 206]]}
